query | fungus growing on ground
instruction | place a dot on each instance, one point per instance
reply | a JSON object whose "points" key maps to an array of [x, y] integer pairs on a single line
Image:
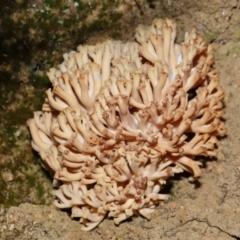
{"points": [[122, 118]]}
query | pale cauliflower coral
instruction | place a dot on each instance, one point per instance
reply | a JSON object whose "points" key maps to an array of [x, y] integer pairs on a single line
{"points": [[124, 117]]}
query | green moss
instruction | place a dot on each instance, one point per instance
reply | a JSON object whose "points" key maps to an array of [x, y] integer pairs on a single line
{"points": [[235, 48], [10, 130], [115, 16], [40, 190], [8, 86], [51, 3], [31, 180], [115, 34], [24, 167], [9, 24], [236, 33], [11, 197], [23, 4], [31, 35], [9, 140], [84, 9], [18, 117], [39, 81], [210, 36], [4, 149]]}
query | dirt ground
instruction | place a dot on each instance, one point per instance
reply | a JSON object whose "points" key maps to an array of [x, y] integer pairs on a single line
{"points": [[205, 210]]}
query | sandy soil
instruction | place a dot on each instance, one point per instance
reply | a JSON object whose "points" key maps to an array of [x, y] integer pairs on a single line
{"points": [[207, 209]]}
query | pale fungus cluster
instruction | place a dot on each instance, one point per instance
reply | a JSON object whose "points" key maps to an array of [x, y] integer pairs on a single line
{"points": [[124, 117]]}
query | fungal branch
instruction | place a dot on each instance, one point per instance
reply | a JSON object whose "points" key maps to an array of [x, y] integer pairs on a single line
{"points": [[120, 120]]}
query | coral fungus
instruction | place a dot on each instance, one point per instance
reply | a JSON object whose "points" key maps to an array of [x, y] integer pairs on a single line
{"points": [[124, 117]]}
